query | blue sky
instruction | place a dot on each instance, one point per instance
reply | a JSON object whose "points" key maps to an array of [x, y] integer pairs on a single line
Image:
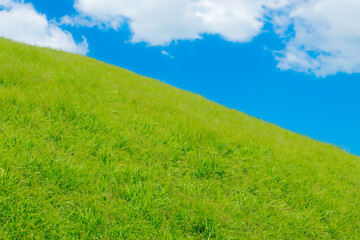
{"points": [[279, 63]]}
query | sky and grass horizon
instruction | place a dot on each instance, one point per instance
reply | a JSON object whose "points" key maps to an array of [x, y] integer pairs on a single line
{"points": [[294, 63]]}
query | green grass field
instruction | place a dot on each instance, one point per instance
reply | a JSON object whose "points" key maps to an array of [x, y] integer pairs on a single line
{"points": [[93, 151]]}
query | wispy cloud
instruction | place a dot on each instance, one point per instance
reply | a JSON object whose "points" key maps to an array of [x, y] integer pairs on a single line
{"points": [[165, 53], [325, 38]]}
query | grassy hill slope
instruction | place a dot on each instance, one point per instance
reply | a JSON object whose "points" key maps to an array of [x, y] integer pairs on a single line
{"points": [[89, 150]]}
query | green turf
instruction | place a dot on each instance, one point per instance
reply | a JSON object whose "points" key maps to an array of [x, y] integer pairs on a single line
{"points": [[93, 151]]}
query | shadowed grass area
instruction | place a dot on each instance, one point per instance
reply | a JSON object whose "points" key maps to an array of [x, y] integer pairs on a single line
{"points": [[92, 151]]}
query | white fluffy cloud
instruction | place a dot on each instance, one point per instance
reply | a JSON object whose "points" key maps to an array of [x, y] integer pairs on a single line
{"points": [[326, 37], [158, 22], [324, 34], [21, 22]]}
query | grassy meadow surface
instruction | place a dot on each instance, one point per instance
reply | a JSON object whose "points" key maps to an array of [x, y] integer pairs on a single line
{"points": [[93, 151]]}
